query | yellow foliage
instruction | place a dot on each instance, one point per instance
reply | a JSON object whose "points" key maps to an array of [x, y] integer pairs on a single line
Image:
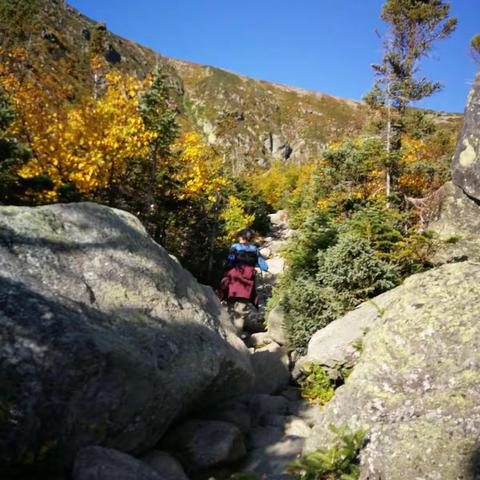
{"points": [[88, 144], [235, 218], [199, 170], [276, 184], [418, 165]]}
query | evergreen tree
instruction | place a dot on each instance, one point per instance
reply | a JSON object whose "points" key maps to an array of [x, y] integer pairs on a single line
{"points": [[159, 116], [12, 156], [475, 48], [414, 25]]}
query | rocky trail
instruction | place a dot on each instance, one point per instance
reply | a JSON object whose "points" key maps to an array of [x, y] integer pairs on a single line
{"points": [[280, 420]]}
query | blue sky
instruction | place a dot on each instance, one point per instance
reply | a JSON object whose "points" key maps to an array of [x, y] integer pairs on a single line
{"points": [[322, 45]]}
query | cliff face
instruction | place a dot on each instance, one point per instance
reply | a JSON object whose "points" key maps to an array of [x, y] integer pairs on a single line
{"points": [[465, 166], [252, 122]]}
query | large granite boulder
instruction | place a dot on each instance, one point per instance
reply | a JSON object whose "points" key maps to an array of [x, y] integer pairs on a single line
{"points": [[104, 338], [416, 387], [340, 343], [466, 162]]}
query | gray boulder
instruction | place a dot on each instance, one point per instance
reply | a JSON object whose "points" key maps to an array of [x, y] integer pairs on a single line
{"points": [[340, 342], [97, 463], [105, 338], [165, 464], [457, 223], [201, 444], [466, 162], [271, 367], [416, 387], [234, 410], [275, 322]]}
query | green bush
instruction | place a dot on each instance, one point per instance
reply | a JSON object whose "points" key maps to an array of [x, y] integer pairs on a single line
{"points": [[317, 233], [309, 307], [340, 462], [380, 226], [352, 266], [317, 386]]}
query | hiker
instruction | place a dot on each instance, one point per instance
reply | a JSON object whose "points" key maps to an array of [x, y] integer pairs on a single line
{"points": [[237, 285]]}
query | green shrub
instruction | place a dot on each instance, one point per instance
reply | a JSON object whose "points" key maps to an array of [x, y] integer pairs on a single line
{"points": [[340, 462], [352, 266], [317, 386], [380, 226], [414, 252], [317, 233], [309, 307]]}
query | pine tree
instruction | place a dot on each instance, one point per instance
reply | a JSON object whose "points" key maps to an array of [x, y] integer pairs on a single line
{"points": [[414, 25], [12, 156], [475, 48], [159, 116]]}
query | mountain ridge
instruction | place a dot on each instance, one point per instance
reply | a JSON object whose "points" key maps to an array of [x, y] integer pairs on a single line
{"points": [[251, 122]]}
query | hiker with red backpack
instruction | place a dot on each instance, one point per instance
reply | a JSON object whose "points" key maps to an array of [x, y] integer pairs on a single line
{"points": [[238, 284]]}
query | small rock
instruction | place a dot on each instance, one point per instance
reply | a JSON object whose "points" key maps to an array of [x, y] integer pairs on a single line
{"points": [[165, 464], [266, 252], [270, 365], [201, 444], [98, 463], [259, 339], [297, 427], [276, 265]]}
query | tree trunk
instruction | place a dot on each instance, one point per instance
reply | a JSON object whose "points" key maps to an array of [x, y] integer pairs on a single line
{"points": [[388, 178]]}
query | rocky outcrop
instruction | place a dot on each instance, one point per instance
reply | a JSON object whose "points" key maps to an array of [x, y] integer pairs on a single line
{"points": [[105, 339], [457, 224], [466, 162], [416, 387]]}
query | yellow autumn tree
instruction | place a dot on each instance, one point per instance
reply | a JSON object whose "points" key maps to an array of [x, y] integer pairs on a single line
{"points": [[199, 170], [423, 167], [90, 144], [234, 218]]}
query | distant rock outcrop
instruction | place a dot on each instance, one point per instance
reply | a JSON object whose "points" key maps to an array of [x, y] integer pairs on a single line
{"points": [[416, 387], [105, 339], [466, 162]]}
